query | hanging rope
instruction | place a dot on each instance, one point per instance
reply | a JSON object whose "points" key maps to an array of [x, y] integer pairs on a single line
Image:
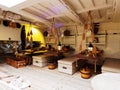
{"points": [[91, 26], [80, 48], [83, 37], [94, 51], [54, 31]]}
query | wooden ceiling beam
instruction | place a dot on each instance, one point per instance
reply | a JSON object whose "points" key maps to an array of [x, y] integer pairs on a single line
{"points": [[36, 18], [81, 4], [59, 15], [39, 11], [95, 8], [71, 13], [106, 1], [48, 11], [93, 2], [116, 11], [41, 6]]}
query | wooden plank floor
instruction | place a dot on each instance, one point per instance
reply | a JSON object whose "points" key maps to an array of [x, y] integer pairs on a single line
{"points": [[45, 79]]}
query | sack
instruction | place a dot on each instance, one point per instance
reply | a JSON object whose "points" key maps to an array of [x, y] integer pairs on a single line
{"points": [[45, 33], [96, 28], [88, 33], [18, 25], [66, 33], [5, 22]]}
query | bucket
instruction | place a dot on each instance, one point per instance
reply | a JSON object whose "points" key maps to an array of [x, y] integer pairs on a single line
{"points": [[52, 65], [85, 72]]}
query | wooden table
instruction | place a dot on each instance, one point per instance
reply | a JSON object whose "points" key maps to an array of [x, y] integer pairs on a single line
{"points": [[90, 58]]}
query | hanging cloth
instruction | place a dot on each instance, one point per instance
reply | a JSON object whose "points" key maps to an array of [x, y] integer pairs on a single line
{"points": [[91, 26], [80, 48], [54, 31], [83, 35], [31, 42], [23, 37]]}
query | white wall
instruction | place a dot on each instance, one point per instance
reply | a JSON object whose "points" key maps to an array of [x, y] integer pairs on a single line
{"points": [[113, 40], [9, 32], [112, 46]]}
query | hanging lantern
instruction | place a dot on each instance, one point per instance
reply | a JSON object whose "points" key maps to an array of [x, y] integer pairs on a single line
{"points": [[59, 46], [45, 33], [90, 46]]}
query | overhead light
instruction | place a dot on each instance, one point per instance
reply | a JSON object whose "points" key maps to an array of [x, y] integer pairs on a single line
{"points": [[9, 3]]}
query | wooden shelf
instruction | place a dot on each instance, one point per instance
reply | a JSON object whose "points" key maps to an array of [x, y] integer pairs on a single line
{"points": [[50, 40], [69, 40], [97, 43], [100, 40]]}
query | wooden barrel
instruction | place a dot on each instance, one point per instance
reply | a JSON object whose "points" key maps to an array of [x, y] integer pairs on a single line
{"points": [[85, 72], [52, 65]]}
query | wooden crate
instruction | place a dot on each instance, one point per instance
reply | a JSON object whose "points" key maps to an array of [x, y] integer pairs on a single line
{"points": [[15, 62], [40, 60]]}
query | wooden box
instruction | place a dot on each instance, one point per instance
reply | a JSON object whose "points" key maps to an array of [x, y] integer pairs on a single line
{"points": [[69, 65], [15, 62], [40, 60]]}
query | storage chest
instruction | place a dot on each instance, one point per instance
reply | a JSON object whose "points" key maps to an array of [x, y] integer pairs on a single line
{"points": [[40, 60], [16, 62], [70, 65]]}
